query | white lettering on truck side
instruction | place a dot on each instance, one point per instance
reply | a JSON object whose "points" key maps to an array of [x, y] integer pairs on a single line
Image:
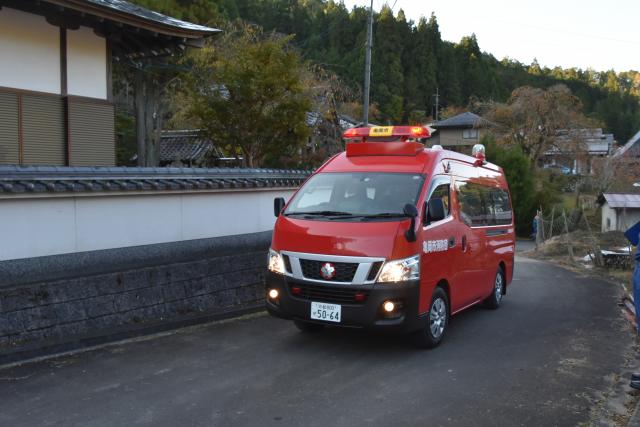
{"points": [[429, 246]]}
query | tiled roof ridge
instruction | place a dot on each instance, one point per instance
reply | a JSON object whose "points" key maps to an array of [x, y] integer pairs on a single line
{"points": [[54, 179]]}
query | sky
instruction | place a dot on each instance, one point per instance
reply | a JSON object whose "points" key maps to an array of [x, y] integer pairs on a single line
{"points": [[586, 34]]}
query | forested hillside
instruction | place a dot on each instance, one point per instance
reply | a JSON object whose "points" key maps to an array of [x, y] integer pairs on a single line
{"points": [[411, 61]]}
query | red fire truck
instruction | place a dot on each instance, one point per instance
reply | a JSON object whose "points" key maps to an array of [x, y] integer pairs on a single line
{"points": [[390, 235]]}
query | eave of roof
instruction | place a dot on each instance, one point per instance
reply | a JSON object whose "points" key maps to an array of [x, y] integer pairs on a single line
{"points": [[617, 200], [123, 12], [626, 147]]}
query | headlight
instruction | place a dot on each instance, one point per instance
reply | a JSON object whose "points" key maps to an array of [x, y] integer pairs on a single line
{"points": [[276, 264], [400, 270]]}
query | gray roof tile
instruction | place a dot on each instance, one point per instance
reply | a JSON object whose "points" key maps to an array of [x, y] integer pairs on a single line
{"points": [[58, 179], [464, 120], [150, 15], [622, 200], [185, 146]]}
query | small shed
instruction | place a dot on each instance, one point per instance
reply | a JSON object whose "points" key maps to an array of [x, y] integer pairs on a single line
{"points": [[190, 148], [619, 211]]}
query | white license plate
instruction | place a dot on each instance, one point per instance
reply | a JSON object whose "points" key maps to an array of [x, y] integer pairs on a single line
{"points": [[326, 312]]}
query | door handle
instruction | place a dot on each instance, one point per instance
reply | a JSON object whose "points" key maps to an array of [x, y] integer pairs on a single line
{"points": [[464, 243]]}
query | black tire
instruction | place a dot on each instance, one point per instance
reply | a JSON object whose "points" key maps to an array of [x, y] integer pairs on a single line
{"points": [[307, 327], [493, 301], [436, 323]]}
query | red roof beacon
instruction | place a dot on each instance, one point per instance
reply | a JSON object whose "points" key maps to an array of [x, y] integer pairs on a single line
{"points": [[390, 235], [478, 151]]}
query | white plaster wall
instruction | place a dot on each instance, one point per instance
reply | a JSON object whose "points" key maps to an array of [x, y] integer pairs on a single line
{"points": [[621, 219], [86, 63], [29, 52], [608, 213], [628, 218], [40, 227]]}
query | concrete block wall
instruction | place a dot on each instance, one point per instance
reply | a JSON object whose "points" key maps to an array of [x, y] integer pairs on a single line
{"points": [[96, 297]]}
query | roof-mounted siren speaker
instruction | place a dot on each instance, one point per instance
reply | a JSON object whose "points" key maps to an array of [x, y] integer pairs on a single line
{"points": [[478, 151]]}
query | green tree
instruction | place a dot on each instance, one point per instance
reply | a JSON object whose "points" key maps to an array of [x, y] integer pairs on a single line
{"points": [[411, 60], [387, 81], [246, 90], [424, 63]]}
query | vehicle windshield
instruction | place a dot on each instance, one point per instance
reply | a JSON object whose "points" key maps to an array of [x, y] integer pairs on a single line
{"points": [[355, 195]]}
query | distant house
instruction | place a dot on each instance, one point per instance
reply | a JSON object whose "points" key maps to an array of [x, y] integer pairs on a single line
{"points": [[190, 148], [56, 104], [631, 149], [576, 149], [327, 134], [459, 132], [619, 211]]}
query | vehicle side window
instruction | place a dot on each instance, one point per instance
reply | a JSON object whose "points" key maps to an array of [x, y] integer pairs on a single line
{"points": [[482, 205], [473, 210], [442, 192], [501, 207]]}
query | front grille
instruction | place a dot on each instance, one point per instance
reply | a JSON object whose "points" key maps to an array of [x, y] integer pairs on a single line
{"points": [[373, 272], [344, 270], [287, 263], [330, 294]]}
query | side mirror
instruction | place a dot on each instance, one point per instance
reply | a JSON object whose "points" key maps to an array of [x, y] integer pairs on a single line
{"points": [[435, 210], [278, 206], [411, 212]]}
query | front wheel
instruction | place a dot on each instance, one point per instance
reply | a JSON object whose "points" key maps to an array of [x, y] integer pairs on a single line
{"points": [[493, 301], [433, 332]]}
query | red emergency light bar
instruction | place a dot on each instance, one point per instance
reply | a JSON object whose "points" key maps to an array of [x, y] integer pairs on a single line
{"points": [[401, 133], [396, 148]]}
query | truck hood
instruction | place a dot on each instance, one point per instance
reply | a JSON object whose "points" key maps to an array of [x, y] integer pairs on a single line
{"points": [[383, 239]]}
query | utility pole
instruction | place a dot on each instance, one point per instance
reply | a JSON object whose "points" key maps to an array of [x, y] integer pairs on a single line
{"points": [[367, 67], [437, 95]]}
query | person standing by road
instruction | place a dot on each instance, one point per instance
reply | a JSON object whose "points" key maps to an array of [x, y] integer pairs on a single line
{"points": [[633, 235]]}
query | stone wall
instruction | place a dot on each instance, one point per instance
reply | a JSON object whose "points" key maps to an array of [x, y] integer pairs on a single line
{"points": [[63, 302]]}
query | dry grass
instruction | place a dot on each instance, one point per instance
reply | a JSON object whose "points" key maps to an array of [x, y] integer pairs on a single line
{"points": [[582, 243]]}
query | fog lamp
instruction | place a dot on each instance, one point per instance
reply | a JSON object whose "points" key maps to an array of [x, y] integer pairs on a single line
{"points": [[388, 306]]}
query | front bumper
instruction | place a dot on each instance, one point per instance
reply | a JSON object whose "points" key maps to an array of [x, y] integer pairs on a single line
{"points": [[367, 314]]}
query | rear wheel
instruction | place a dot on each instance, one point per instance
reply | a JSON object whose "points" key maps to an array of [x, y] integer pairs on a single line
{"points": [[308, 327], [438, 320], [493, 301]]}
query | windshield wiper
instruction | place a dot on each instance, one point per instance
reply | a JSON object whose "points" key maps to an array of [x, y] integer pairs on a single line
{"points": [[321, 213], [384, 215]]}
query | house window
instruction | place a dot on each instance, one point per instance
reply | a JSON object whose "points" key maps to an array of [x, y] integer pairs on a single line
{"points": [[470, 134], [32, 129], [608, 223]]}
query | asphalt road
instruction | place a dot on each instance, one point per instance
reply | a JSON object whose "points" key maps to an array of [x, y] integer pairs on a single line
{"points": [[551, 355]]}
